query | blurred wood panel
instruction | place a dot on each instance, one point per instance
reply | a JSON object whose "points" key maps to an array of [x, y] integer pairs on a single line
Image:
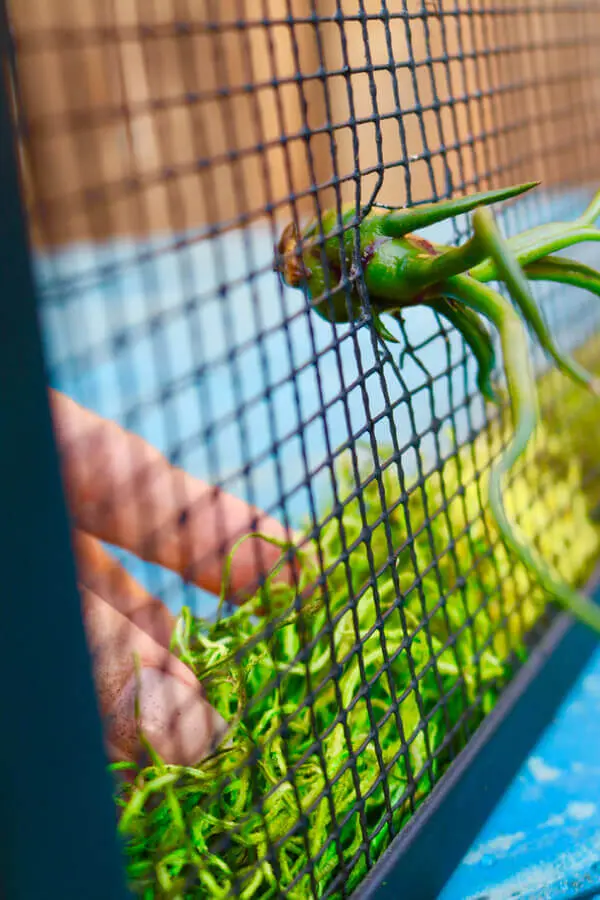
{"points": [[502, 92], [139, 118], [409, 155], [142, 118], [541, 62], [556, 73]]}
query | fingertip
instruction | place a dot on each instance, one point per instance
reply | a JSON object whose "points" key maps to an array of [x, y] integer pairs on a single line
{"points": [[174, 717]]}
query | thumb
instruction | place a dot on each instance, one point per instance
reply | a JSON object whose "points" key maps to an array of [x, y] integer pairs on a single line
{"points": [[174, 714]]}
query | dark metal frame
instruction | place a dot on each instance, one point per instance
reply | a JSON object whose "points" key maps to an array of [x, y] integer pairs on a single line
{"points": [[57, 831]]}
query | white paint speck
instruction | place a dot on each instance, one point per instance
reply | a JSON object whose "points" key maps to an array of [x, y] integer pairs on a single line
{"points": [[538, 880], [528, 883], [591, 685], [541, 771], [553, 822], [495, 847], [580, 811]]}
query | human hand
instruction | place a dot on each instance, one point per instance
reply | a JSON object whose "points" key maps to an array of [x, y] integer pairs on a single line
{"points": [[123, 491]]}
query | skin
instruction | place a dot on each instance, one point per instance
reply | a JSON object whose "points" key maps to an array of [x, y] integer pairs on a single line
{"points": [[400, 270], [188, 527]]}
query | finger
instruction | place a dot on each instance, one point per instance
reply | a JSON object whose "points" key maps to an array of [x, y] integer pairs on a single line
{"points": [[175, 716], [125, 492], [105, 576]]}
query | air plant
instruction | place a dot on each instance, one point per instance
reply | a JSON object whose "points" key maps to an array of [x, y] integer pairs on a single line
{"points": [[339, 259]]}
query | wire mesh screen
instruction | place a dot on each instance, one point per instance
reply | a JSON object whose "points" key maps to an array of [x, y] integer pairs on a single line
{"points": [[163, 147]]}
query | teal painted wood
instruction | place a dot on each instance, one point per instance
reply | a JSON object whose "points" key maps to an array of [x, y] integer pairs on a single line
{"points": [[57, 819]]}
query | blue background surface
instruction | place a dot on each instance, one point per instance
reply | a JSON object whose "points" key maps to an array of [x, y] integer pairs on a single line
{"points": [[144, 338], [543, 840]]}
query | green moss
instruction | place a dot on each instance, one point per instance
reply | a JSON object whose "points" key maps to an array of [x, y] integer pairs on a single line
{"points": [[573, 413], [318, 767]]}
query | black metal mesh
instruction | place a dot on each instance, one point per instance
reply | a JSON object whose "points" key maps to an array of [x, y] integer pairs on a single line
{"points": [[164, 146]]}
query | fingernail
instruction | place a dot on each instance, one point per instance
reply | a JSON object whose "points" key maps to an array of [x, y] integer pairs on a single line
{"points": [[175, 717]]}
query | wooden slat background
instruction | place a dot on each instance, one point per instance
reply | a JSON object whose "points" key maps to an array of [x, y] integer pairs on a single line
{"points": [[134, 131]]}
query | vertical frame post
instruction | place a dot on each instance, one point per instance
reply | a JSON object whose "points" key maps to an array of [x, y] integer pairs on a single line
{"points": [[57, 817]]}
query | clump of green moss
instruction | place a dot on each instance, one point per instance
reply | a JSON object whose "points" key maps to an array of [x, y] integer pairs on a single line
{"points": [[573, 413], [348, 707]]}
